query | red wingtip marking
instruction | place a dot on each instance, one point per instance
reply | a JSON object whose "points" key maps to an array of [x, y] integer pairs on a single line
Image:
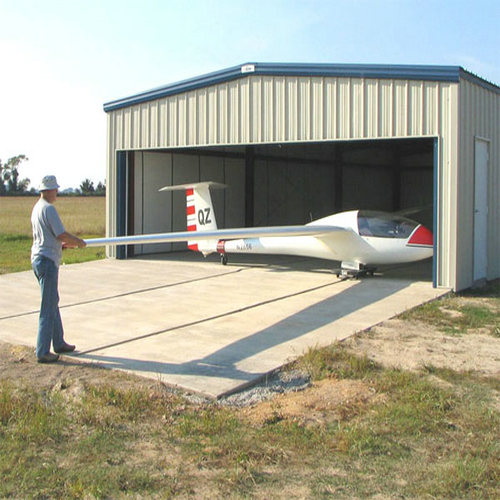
{"points": [[189, 192], [190, 210], [192, 227], [193, 247], [421, 237]]}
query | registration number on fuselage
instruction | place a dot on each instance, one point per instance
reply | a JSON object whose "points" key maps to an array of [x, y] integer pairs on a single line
{"points": [[243, 247]]}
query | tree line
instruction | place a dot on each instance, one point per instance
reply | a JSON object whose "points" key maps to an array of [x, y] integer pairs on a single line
{"points": [[12, 185]]}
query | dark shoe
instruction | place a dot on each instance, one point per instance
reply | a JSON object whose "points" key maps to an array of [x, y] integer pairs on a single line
{"points": [[65, 348], [48, 358]]}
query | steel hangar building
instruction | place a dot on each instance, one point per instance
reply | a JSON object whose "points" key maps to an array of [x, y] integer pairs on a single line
{"points": [[301, 141]]}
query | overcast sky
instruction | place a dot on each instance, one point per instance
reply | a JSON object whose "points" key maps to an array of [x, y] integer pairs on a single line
{"points": [[60, 60]]}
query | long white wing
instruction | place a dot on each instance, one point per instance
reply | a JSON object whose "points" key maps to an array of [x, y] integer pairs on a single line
{"points": [[220, 234]]}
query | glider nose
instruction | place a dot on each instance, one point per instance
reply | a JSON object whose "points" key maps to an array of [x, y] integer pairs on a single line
{"points": [[421, 237]]}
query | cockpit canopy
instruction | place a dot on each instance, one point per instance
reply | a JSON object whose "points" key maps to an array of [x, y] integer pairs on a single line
{"points": [[383, 225]]}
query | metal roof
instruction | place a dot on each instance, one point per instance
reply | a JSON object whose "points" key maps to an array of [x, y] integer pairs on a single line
{"points": [[380, 71]]}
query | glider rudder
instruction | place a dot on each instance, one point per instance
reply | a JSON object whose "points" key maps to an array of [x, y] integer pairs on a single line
{"points": [[200, 215]]}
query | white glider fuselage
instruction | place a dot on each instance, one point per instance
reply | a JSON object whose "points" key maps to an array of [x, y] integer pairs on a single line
{"points": [[346, 246]]}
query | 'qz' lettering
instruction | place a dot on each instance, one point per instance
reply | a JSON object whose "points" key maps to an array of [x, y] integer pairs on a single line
{"points": [[204, 216]]}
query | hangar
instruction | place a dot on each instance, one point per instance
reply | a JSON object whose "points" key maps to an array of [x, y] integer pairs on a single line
{"points": [[301, 141]]}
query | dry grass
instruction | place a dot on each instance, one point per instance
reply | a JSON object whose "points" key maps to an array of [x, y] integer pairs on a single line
{"points": [[108, 435], [81, 215]]}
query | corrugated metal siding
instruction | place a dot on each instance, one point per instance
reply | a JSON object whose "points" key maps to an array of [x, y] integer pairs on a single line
{"points": [[447, 122], [479, 117], [266, 109]]}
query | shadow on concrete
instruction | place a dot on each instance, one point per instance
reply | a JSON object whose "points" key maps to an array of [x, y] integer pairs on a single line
{"points": [[223, 362]]}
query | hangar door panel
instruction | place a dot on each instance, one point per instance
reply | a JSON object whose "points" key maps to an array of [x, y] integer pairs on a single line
{"points": [[160, 212], [212, 169], [155, 213]]}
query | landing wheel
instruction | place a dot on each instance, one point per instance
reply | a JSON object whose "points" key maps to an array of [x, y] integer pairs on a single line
{"points": [[223, 259]]}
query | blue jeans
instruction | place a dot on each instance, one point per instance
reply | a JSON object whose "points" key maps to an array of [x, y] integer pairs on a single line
{"points": [[50, 327]]}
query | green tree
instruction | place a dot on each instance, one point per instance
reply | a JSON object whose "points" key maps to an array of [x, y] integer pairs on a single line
{"points": [[87, 187], [100, 190], [9, 176]]}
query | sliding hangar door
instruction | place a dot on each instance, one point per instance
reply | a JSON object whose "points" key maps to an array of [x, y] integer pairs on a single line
{"points": [[298, 142]]}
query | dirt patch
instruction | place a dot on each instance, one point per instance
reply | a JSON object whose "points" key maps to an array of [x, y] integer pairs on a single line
{"points": [[18, 365], [325, 401], [413, 345], [408, 345]]}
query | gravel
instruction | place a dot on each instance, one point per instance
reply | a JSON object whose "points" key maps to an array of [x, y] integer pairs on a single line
{"points": [[277, 383]]}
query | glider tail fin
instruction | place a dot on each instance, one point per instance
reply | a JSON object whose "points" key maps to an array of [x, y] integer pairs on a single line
{"points": [[199, 211]]}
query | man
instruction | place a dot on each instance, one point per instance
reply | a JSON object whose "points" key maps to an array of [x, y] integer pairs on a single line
{"points": [[49, 236]]}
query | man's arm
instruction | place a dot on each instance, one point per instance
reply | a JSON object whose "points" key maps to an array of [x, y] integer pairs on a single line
{"points": [[71, 241]]}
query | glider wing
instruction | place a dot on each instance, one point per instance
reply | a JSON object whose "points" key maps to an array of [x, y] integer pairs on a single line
{"points": [[219, 234]]}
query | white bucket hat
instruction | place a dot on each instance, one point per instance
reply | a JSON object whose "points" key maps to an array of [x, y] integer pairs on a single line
{"points": [[48, 182]]}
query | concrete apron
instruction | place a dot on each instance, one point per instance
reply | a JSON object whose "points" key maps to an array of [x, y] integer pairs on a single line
{"points": [[204, 327]]}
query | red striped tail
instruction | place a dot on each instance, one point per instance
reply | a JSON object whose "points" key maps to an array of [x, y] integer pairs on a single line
{"points": [[191, 216]]}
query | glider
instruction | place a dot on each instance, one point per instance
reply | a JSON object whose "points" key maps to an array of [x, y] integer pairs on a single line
{"points": [[359, 239]]}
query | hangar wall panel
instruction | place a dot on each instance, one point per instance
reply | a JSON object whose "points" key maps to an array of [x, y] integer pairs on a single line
{"points": [[318, 193], [152, 208], [212, 169], [260, 109], [417, 191], [261, 196], [234, 177], [359, 183], [295, 192], [479, 118]]}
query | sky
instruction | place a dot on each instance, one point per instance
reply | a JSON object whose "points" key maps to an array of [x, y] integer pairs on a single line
{"points": [[61, 60]]}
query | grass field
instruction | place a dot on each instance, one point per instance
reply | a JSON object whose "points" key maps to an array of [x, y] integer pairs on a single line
{"points": [[83, 216]]}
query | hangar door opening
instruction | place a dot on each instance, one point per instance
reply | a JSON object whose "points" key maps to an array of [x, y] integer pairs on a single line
{"points": [[281, 184]]}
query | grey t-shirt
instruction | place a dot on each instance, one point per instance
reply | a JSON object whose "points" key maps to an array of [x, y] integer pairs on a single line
{"points": [[47, 226]]}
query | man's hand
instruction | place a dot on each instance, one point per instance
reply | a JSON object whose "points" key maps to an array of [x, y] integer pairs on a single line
{"points": [[71, 241]]}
